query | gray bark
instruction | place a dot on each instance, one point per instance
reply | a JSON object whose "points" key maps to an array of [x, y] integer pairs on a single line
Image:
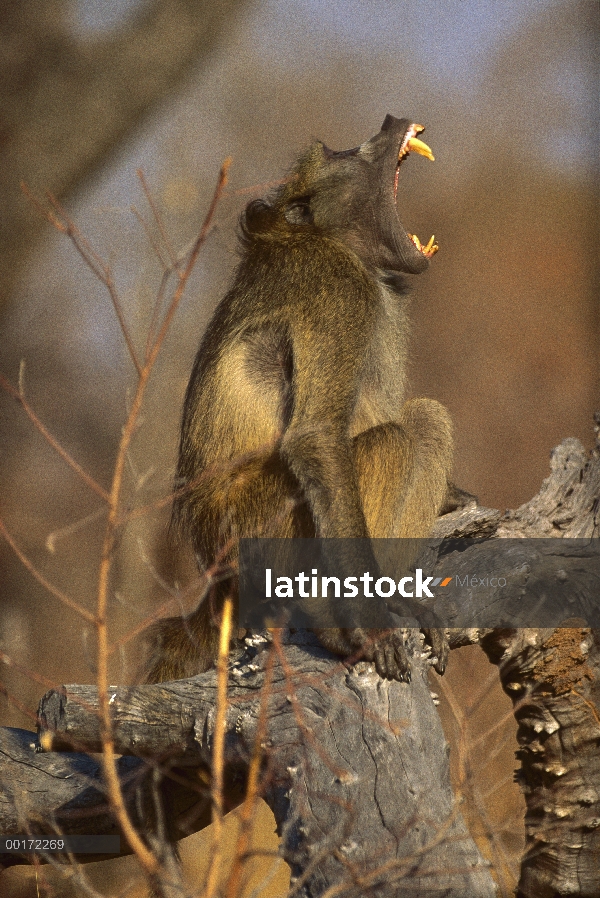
{"points": [[552, 675], [355, 768]]}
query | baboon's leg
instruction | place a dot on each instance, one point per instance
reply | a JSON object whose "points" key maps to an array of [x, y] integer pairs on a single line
{"points": [[403, 473], [403, 470], [258, 497]]}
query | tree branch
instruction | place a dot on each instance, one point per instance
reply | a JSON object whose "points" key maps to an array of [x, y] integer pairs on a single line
{"points": [[355, 768]]}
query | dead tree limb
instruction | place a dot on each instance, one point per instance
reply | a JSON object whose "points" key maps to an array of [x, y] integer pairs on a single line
{"points": [[355, 768]]}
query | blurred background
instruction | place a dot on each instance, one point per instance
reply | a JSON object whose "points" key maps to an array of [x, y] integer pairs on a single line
{"points": [[505, 322]]}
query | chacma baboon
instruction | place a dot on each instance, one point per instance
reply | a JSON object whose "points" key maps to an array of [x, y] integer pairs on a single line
{"points": [[295, 423]]}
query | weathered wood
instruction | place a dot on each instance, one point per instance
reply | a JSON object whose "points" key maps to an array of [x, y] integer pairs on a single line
{"points": [[568, 503], [49, 794], [355, 768], [553, 676], [553, 679]]}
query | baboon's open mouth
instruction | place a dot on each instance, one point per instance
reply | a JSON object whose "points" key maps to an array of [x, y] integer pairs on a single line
{"points": [[411, 143]]}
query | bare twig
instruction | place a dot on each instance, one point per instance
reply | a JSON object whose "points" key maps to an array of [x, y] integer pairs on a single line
{"points": [[95, 263], [103, 273], [69, 529], [75, 466], [115, 795], [468, 746], [12, 699], [157, 218], [182, 268], [253, 786], [185, 272], [156, 310], [53, 590], [218, 762], [155, 247], [226, 466]]}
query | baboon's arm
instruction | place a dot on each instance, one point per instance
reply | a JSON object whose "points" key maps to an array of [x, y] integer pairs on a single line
{"points": [[327, 362]]}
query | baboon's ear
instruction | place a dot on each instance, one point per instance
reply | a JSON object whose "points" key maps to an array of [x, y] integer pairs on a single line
{"points": [[258, 218], [299, 212]]}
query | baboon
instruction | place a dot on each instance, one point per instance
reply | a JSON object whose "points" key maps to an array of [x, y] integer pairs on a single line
{"points": [[295, 422]]}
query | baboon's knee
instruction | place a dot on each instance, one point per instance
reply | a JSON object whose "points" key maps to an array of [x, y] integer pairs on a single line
{"points": [[429, 427], [384, 459], [384, 450]]}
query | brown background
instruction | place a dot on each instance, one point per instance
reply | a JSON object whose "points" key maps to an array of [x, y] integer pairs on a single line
{"points": [[506, 320]]}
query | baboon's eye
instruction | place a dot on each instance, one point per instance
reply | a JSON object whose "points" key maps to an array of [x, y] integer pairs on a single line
{"points": [[299, 212]]}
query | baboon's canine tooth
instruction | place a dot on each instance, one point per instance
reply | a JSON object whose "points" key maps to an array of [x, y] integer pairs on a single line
{"points": [[417, 146], [429, 249]]}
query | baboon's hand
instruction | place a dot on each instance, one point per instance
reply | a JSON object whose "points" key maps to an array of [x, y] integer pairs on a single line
{"points": [[385, 648], [430, 625], [438, 640]]}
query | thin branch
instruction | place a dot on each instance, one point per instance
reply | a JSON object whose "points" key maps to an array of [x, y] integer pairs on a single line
{"points": [[114, 792], [21, 380], [19, 397], [151, 240], [157, 218], [192, 258], [69, 529], [253, 786], [221, 467], [104, 274], [102, 271], [29, 674], [115, 795], [53, 590], [200, 585], [175, 603], [166, 608], [468, 789], [12, 700], [218, 757], [156, 310], [67, 226], [91, 258]]}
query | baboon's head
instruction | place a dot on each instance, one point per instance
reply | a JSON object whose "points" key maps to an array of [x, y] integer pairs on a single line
{"points": [[351, 194]]}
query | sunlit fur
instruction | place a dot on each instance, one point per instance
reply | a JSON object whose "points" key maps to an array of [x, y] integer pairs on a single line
{"points": [[295, 422]]}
